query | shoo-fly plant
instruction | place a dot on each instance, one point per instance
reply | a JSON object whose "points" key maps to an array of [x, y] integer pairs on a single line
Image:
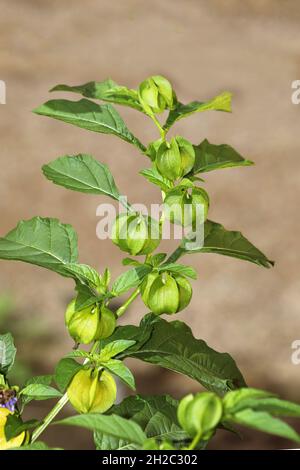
{"points": [[89, 379]]}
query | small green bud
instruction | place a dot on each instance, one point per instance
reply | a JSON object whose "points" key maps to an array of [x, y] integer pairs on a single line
{"points": [[83, 324], [186, 206], [166, 293], [92, 391], [200, 414], [175, 158], [156, 94], [136, 234]]}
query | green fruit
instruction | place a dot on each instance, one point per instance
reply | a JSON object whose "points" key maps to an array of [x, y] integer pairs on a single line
{"points": [[92, 391], [166, 293], [200, 414], [186, 206], [107, 323], [175, 158], [156, 94], [83, 324], [136, 234]]}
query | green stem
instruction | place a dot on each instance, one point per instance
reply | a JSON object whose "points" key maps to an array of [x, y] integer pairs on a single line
{"points": [[126, 304], [58, 407], [195, 441], [175, 255], [160, 128]]}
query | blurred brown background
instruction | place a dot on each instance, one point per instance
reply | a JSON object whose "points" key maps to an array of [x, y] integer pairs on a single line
{"points": [[249, 47]]}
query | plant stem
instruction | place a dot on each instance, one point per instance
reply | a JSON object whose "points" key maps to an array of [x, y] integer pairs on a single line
{"points": [[126, 304], [58, 407], [195, 441], [160, 128], [175, 255]]}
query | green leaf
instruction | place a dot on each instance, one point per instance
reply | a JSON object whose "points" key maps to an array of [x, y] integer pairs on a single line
{"points": [[82, 173], [156, 415], [38, 445], [39, 391], [84, 273], [65, 371], [79, 353], [41, 241], [213, 157], [91, 116], [152, 175], [129, 279], [112, 425], [262, 421], [113, 348], [259, 400], [39, 379], [7, 353], [118, 368], [14, 426], [157, 259], [131, 262], [221, 102], [238, 399], [108, 90], [85, 297], [172, 345], [177, 268], [224, 242]]}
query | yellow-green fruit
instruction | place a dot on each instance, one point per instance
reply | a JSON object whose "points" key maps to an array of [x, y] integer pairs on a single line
{"points": [[107, 323], [156, 94], [83, 324], [15, 441], [175, 158], [136, 234], [166, 293], [200, 414], [92, 391], [186, 206]]}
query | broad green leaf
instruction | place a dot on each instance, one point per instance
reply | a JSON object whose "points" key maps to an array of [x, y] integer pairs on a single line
{"points": [[84, 273], [157, 416], [118, 368], [112, 425], [82, 173], [172, 345], [108, 90], [262, 421], [65, 371], [114, 348], [14, 426], [85, 297], [41, 241], [213, 157], [39, 379], [129, 279], [224, 242], [7, 353], [40, 391], [79, 353], [238, 399], [152, 175], [177, 268], [157, 259], [221, 102], [91, 116], [130, 262]]}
